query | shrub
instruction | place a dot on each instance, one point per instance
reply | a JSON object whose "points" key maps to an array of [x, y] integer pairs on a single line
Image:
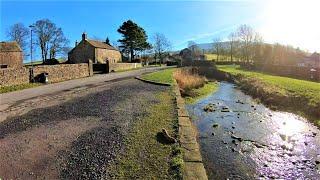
{"points": [[188, 79]]}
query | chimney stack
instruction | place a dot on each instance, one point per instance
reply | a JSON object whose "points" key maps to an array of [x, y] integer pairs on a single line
{"points": [[84, 36], [76, 44]]}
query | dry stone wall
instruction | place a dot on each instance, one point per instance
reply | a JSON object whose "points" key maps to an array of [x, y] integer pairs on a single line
{"points": [[57, 73], [14, 76], [114, 67], [63, 72]]}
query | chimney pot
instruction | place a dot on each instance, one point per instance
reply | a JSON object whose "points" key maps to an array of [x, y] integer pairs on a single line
{"points": [[84, 36]]}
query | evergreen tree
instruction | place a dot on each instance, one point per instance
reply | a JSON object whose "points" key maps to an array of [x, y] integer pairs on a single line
{"points": [[134, 38]]}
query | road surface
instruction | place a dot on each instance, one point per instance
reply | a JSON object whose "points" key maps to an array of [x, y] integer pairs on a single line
{"points": [[71, 130], [12, 101]]}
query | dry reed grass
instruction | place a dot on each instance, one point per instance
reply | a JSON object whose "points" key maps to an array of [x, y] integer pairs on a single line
{"points": [[188, 79]]}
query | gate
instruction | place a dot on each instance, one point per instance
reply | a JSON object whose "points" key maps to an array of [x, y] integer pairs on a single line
{"points": [[100, 68]]}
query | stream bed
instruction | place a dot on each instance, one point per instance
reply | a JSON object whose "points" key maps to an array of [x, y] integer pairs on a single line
{"points": [[242, 139]]}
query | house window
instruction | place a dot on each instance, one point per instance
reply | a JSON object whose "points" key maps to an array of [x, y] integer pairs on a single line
{"points": [[2, 66]]}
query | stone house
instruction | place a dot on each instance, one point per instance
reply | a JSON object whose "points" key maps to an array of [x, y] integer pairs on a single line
{"points": [[96, 51], [11, 55], [312, 61], [186, 54]]}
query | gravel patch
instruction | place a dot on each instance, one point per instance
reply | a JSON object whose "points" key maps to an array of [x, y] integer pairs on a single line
{"points": [[90, 153]]}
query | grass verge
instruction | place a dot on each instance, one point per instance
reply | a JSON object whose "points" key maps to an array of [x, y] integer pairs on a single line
{"points": [[145, 157], [202, 92], [193, 86], [163, 76], [6, 89], [287, 93]]}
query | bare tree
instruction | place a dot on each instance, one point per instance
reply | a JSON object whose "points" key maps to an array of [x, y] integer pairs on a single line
{"points": [[232, 44], [161, 45], [58, 43], [50, 38], [246, 36], [217, 46], [257, 48], [19, 33]]}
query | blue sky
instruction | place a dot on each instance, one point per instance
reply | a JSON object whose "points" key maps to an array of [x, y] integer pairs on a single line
{"points": [[180, 21]]}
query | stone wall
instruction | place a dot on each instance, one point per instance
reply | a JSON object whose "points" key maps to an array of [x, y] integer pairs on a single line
{"points": [[114, 67], [63, 72], [104, 54], [57, 73], [11, 59], [14, 76]]}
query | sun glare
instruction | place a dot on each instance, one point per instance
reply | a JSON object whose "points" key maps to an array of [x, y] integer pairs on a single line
{"points": [[294, 22]]}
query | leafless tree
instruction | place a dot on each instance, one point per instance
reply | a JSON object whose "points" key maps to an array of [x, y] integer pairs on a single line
{"points": [[49, 37], [232, 44], [257, 48], [161, 45], [217, 46], [246, 36], [58, 43], [19, 33]]}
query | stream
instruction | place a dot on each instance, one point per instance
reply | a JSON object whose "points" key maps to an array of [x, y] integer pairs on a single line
{"points": [[243, 139]]}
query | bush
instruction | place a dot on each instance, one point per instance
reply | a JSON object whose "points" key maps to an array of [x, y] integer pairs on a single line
{"points": [[188, 79], [52, 61]]}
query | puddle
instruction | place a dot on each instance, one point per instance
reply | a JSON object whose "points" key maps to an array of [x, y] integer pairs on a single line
{"points": [[241, 139]]}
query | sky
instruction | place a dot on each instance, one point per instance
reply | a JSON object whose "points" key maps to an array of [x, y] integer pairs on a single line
{"points": [[294, 22]]}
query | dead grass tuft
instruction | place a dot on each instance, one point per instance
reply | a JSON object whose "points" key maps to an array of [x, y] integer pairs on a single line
{"points": [[188, 79]]}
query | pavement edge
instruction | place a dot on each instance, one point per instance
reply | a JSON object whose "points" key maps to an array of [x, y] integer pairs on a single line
{"points": [[152, 82]]}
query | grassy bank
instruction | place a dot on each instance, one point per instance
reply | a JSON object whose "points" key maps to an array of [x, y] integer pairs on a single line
{"points": [[6, 89], [193, 87], [202, 92], [145, 157], [285, 93], [163, 76]]}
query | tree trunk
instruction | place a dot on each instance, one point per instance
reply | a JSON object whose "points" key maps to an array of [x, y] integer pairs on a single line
{"points": [[131, 55]]}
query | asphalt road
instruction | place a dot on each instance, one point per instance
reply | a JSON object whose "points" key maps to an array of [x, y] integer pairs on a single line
{"points": [[10, 98], [73, 129]]}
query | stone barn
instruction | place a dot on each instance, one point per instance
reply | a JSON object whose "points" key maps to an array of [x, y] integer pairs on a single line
{"points": [[96, 51], [11, 55]]}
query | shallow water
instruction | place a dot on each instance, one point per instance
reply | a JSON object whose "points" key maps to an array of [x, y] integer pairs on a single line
{"points": [[252, 141]]}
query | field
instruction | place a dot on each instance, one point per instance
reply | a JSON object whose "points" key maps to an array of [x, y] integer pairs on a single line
{"points": [[298, 91], [211, 57], [164, 76]]}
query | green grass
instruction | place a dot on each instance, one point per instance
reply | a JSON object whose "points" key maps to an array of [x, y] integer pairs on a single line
{"points": [[295, 95], [163, 76], [130, 69], [201, 92], [285, 85], [6, 89], [211, 56], [145, 157]]}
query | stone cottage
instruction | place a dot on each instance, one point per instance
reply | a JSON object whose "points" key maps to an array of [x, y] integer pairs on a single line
{"points": [[11, 55], [98, 52], [312, 61]]}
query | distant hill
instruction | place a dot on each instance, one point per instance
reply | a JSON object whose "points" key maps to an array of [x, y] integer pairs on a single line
{"points": [[209, 46]]}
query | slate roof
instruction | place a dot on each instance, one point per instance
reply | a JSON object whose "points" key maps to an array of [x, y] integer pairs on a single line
{"points": [[102, 45], [10, 47]]}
